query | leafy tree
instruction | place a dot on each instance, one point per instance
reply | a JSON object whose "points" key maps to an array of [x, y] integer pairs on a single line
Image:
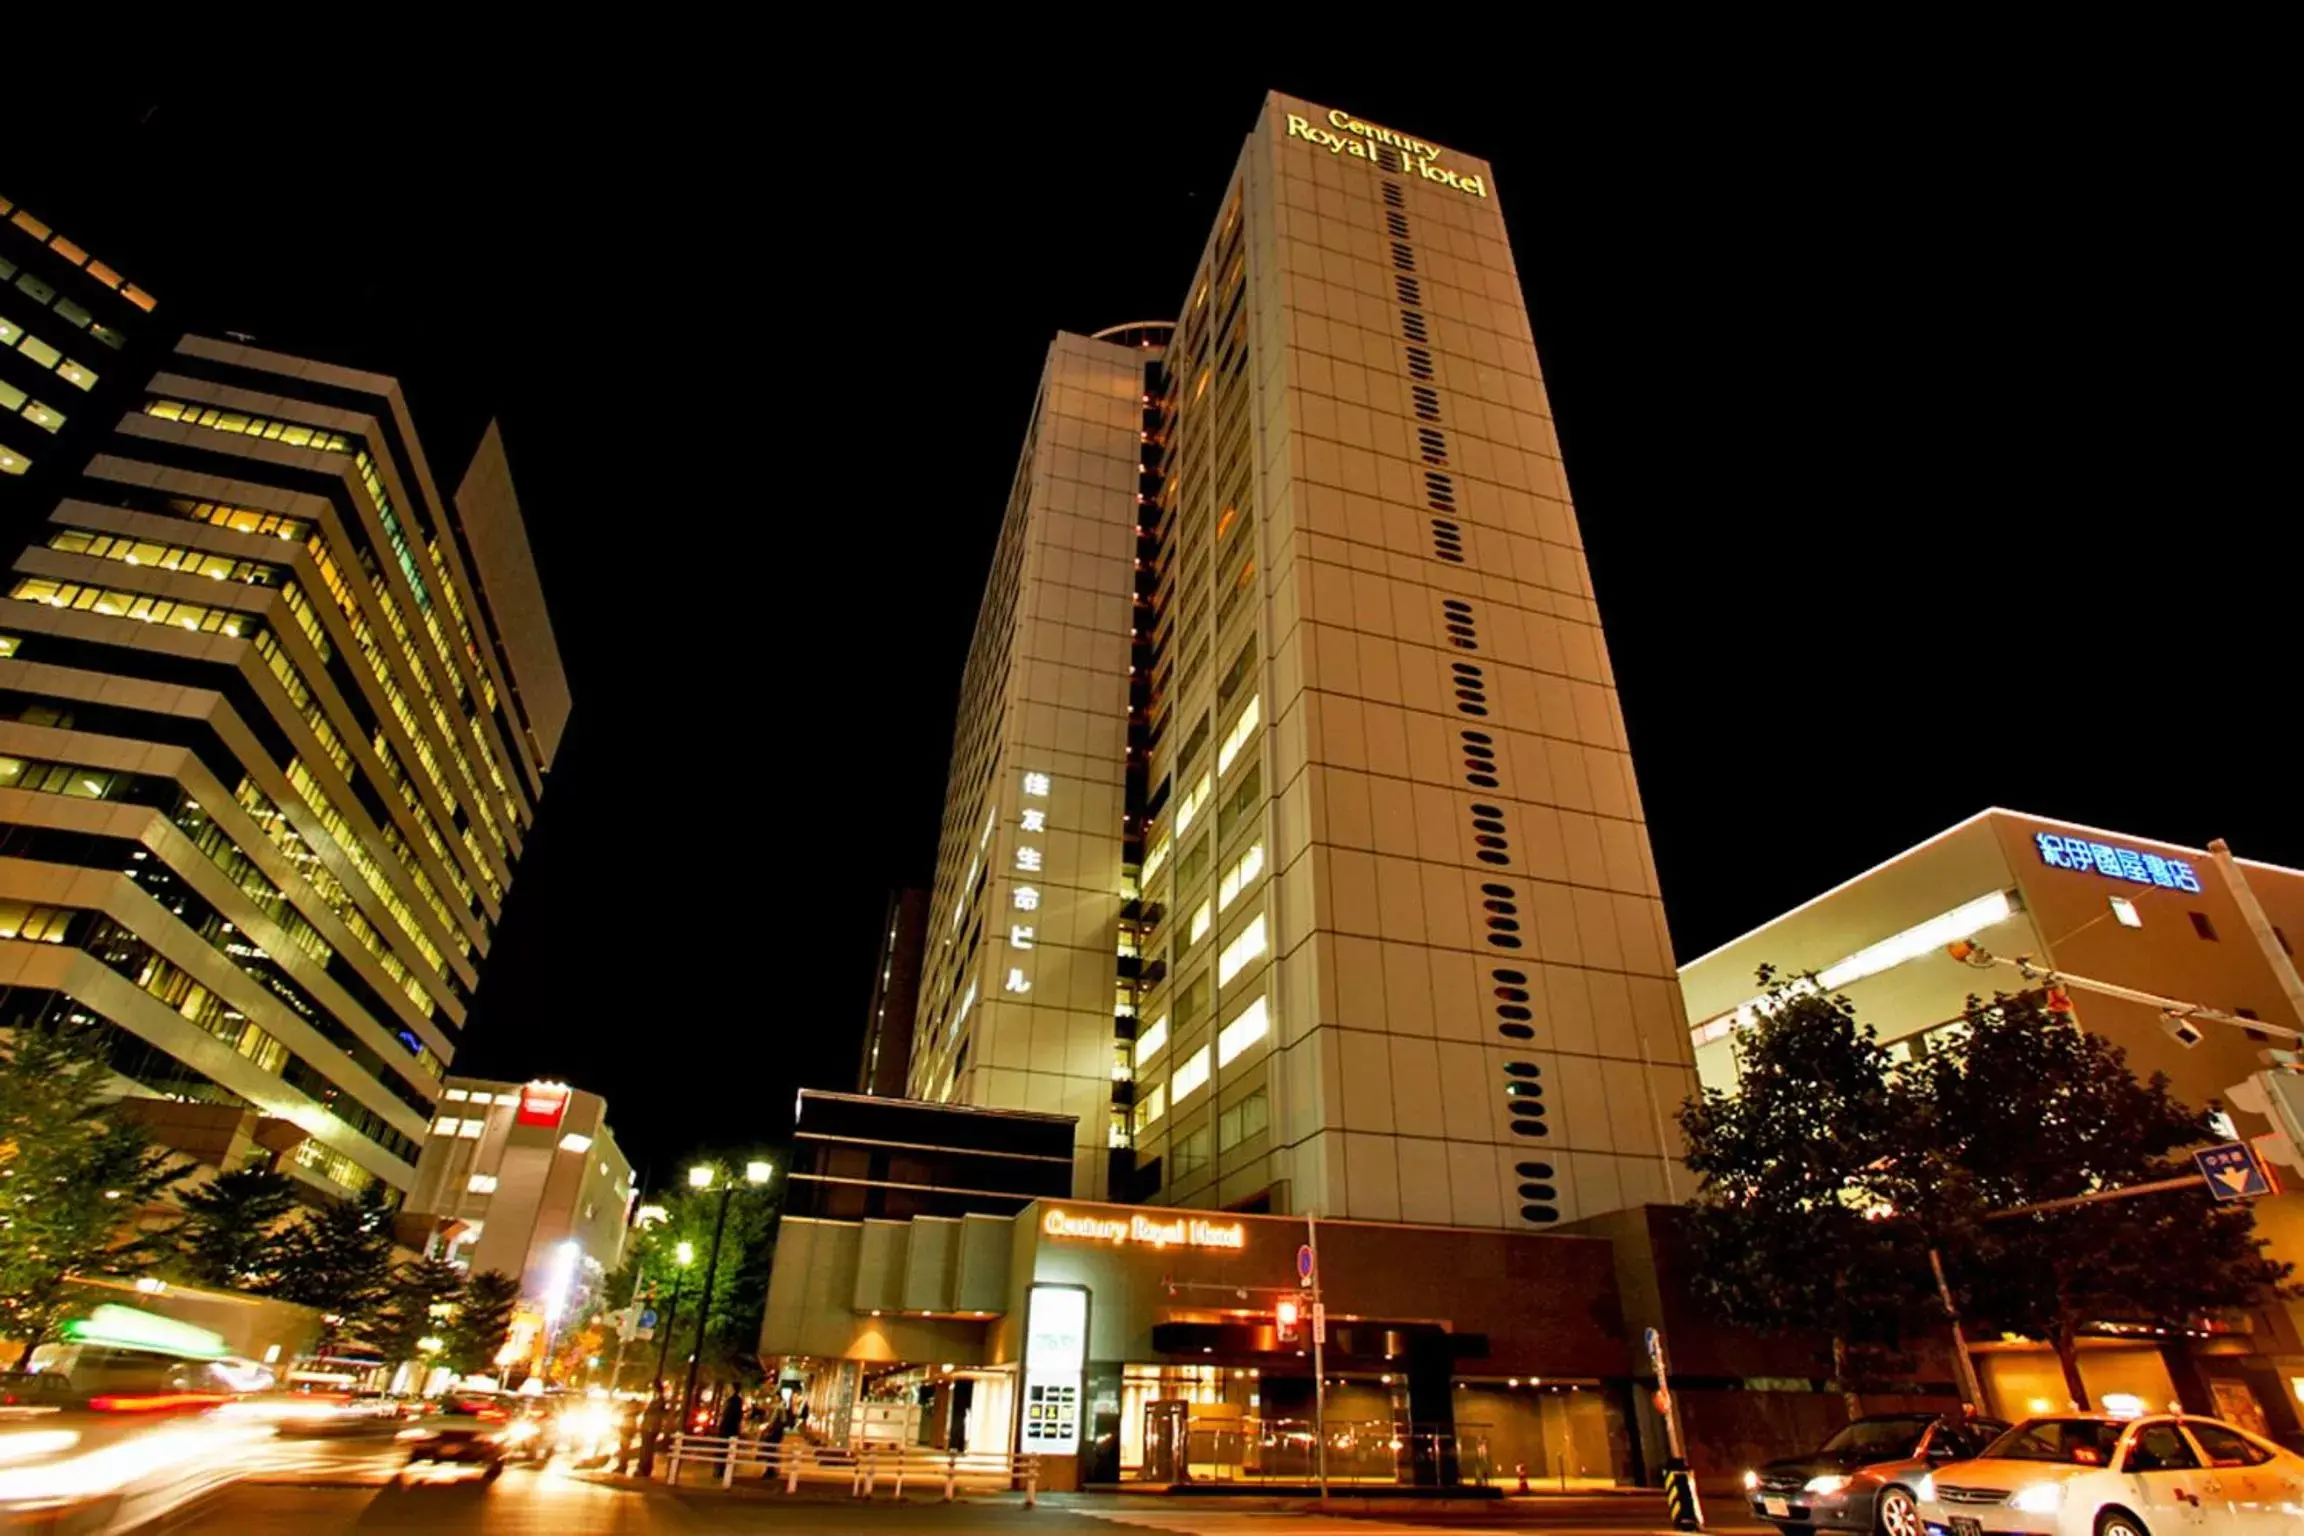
{"points": [[422, 1293], [481, 1323], [1797, 1172], [339, 1259], [739, 1288], [2030, 1108], [234, 1230], [73, 1177]]}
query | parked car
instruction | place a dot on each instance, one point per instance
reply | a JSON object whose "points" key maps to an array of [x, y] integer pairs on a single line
{"points": [[2101, 1474], [477, 1429], [1864, 1478]]}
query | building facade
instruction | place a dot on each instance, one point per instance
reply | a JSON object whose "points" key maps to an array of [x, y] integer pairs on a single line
{"points": [[887, 1058], [2153, 918], [1017, 994], [525, 1179], [275, 712], [1379, 936]]}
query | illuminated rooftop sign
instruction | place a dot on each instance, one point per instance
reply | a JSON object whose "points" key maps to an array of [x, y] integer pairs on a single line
{"points": [[2063, 851], [542, 1104], [1136, 1227], [1347, 135]]}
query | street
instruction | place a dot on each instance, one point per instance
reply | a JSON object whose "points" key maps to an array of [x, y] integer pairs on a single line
{"points": [[326, 1487]]}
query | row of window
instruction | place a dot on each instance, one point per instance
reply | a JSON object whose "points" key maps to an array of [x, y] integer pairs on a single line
{"points": [[295, 434], [239, 519], [42, 415], [27, 345], [134, 605], [104, 275], [372, 651], [163, 557]]}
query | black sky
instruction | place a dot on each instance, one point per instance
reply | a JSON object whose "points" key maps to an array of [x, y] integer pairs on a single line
{"points": [[1930, 444]]}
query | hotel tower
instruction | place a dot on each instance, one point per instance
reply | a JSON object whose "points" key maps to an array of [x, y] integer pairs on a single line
{"points": [[276, 706], [1291, 843]]}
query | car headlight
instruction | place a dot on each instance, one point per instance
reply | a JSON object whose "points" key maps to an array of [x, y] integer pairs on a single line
{"points": [[412, 1434], [1924, 1487], [2039, 1499], [519, 1430], [1825, 1486], [1751, 1481]]}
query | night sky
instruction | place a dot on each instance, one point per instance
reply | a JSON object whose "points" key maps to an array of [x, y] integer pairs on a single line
{"points": [[1921, 439]]}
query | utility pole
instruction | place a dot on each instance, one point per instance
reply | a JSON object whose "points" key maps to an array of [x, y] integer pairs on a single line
{"points": [[704, 1308], [1971, 1391], [1319, 1363], [2283, 968]]}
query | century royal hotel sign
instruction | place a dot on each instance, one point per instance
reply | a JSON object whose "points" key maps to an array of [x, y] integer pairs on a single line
{"points": [[1348, 135]]}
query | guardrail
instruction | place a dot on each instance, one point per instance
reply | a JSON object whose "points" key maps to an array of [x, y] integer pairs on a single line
{"points": [[864, 1468]]}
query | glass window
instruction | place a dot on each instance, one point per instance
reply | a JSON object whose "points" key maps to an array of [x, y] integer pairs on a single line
{"points": [[2080, 1442], [39, 290], [74, 373], [73, 315], [10, 332], [2159, 1448], [45, 417], [2226, 1447], [39, 351], [11, 398]]}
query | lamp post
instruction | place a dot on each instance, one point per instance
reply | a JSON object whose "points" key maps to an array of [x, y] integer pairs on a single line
{"points": [[702, 1177], [683, 1255]]}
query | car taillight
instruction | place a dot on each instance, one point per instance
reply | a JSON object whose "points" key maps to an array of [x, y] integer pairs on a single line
{"points": [[151, 1402]]}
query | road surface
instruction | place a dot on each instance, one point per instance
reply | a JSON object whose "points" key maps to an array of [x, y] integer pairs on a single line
{"points": [[342, 1488]]}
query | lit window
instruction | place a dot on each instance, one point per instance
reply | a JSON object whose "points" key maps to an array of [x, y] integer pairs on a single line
{"points": [[46, 417], [456, 1095], [1189, 806], [10, 332], [1151, 1107], [1244, 948], [39, 351], [1240, 876], [1150, 1043], [1243, 1032], [1153, 860], [505, 1099], [76, 373], [1201, 920], [481, 1184], [574, 1142], [470, 1130], [1190, 1077], [2124, 911], [12, 462], [1243, 730], [444, 1126]]}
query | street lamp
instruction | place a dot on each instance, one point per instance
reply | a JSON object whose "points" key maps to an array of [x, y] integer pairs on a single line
{"points": [[757, 1173], [683, 1255]]}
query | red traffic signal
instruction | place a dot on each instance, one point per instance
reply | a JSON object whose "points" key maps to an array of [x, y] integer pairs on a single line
{"points": [[1288, 1316]]}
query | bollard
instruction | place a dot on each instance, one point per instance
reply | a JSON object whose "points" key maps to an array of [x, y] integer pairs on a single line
{"points": [[871, 1472], [672, 1469], [951, 1473], [898, 1491], [728, 1466], [790, 1450], [1032, 1483], [1680, 1500]]}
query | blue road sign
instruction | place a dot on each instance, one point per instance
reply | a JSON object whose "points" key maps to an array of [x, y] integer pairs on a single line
{"points": [[1304, 1264], [2232, 1171]]}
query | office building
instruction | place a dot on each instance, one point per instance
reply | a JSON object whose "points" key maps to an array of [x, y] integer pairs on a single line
{"points": [[275, 711], [887, 1057], [1291, 843], [2099, 910], [525, 1179]]}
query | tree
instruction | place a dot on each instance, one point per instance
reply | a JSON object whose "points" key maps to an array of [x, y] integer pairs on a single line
{"points": [[423, 1293], [1801, 1215], [739, 1290], [481, 1323], [234, 1229], [2029, 1108], [74, 1176], [339, 1259]]}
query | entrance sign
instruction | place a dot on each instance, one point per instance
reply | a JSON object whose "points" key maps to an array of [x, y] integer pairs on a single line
{"points": [[2233, 1172], [2065, 851], [1182, 1232], [1055, 1358]]}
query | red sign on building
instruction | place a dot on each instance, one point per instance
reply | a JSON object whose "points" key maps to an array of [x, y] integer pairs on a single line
{"points": [[542, 1104]]}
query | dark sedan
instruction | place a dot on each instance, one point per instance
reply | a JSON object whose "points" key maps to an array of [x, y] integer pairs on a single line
{"points": [[1861, 1479]]}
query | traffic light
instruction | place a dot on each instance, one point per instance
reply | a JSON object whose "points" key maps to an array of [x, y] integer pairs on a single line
{"points": [[1288, 1316]]}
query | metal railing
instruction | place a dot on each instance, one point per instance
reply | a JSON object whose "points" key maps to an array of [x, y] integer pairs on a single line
{"points": [[864, 1468], [1375, 1451]]}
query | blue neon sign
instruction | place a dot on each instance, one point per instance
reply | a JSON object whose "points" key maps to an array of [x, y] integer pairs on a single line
{"points": [[2079, 853]]}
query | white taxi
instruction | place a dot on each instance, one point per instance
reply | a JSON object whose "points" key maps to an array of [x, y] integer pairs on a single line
{"points": [[2097, 1474]]}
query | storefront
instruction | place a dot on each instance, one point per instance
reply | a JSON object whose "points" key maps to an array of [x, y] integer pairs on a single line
{"points": [[1143, 1344]]}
